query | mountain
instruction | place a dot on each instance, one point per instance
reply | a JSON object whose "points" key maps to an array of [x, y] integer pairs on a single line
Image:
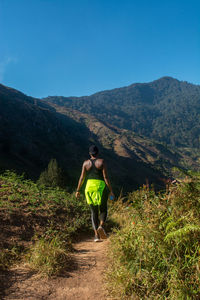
{"points": [[33, 131], [167, 110], [133, 158]]}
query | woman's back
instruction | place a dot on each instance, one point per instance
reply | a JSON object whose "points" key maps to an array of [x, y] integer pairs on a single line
{"points": [[94, 169]]}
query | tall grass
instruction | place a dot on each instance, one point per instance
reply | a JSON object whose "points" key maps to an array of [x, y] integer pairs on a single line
{"points": [[49, 256], [48, 220], [156, 253]]}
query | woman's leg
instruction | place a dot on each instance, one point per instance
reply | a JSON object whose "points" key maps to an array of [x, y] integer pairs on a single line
{"points": [[103, 206], [95, 217]]}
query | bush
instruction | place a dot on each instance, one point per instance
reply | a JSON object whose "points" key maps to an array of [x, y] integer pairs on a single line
{"points": [[46, 220], [156, 254], [53, 176], [48, 256]]}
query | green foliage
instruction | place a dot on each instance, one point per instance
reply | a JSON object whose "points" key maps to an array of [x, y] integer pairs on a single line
{"points": [[48, 256], [156, 253], [43, 222], [53, 175]]}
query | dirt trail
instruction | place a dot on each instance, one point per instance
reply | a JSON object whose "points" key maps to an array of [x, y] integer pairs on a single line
{"points": [[84, 280]]}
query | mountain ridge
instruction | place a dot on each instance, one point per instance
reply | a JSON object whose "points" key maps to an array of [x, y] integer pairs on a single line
{"points": [[167, 78], [167, 109], [35, 130]]}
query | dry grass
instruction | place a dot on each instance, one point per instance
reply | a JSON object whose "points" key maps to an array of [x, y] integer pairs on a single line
{"points": [[38, 224], [156, 253]]}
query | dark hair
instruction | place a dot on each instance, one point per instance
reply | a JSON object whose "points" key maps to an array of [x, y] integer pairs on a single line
{"points": [[93, 150]]}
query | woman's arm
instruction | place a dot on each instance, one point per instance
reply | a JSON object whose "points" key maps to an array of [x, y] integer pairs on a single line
{"points": [[81, 180], [106, 179]]}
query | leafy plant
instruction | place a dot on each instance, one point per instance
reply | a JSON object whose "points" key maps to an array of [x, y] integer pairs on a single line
{"points": [[48, 256], [40, 220], [53, 176], [156, 253]]}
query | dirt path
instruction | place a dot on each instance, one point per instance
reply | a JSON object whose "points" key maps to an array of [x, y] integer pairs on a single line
{"points": [[83, 281]]}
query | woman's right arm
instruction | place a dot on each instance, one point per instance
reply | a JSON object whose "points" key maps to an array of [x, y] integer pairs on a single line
{"points": [[106, 179], [81, 180]]}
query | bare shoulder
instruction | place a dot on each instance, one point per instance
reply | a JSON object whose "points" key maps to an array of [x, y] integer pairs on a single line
{"points": [[99, 162], [86, 163]]}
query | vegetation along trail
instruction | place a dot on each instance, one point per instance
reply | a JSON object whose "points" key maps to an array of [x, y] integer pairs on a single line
{"points": [[46, 244], [84, 279]]}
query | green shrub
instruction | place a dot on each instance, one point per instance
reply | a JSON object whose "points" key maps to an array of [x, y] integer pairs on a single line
{"points": [[156, 254], [42, 214], [53, 176], [48, 256]]}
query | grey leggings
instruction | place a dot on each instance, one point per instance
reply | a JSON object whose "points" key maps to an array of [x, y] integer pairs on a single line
{"points": [[102, 209]]}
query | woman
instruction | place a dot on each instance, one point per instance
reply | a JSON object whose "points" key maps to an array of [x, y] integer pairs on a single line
{"points": [[95, 190]]}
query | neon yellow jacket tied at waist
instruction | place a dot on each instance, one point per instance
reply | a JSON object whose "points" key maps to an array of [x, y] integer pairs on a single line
{"points": [[94, 190]]}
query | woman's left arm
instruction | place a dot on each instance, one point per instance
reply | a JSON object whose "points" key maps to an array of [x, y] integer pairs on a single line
{"points": [[81, 180]]}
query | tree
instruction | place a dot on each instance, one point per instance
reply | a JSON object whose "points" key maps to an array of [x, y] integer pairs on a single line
{"points": [[53, 175]]}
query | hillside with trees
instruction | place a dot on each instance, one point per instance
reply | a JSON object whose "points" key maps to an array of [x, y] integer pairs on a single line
{"points": [[33, 132], [167, 110]]}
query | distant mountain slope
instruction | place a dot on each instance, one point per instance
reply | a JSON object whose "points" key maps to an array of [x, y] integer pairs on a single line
{"points": [[167, 110], [143, 155], [34, 131]]}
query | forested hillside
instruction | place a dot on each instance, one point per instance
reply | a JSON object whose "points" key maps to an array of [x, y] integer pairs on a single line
{"points": [[34, 131], [167, 110]]}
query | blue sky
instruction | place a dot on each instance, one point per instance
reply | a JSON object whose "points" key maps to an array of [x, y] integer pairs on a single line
{"points": [[79, 47]]}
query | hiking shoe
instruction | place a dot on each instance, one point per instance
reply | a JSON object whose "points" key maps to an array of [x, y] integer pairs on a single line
{"points": [[96, 238], [102, 233]]}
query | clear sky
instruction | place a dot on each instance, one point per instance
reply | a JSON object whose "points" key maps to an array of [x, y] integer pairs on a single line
{"points": [[79, 47]]}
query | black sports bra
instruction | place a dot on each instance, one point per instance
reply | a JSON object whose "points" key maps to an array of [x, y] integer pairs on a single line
{"points": [[95, 173]]}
